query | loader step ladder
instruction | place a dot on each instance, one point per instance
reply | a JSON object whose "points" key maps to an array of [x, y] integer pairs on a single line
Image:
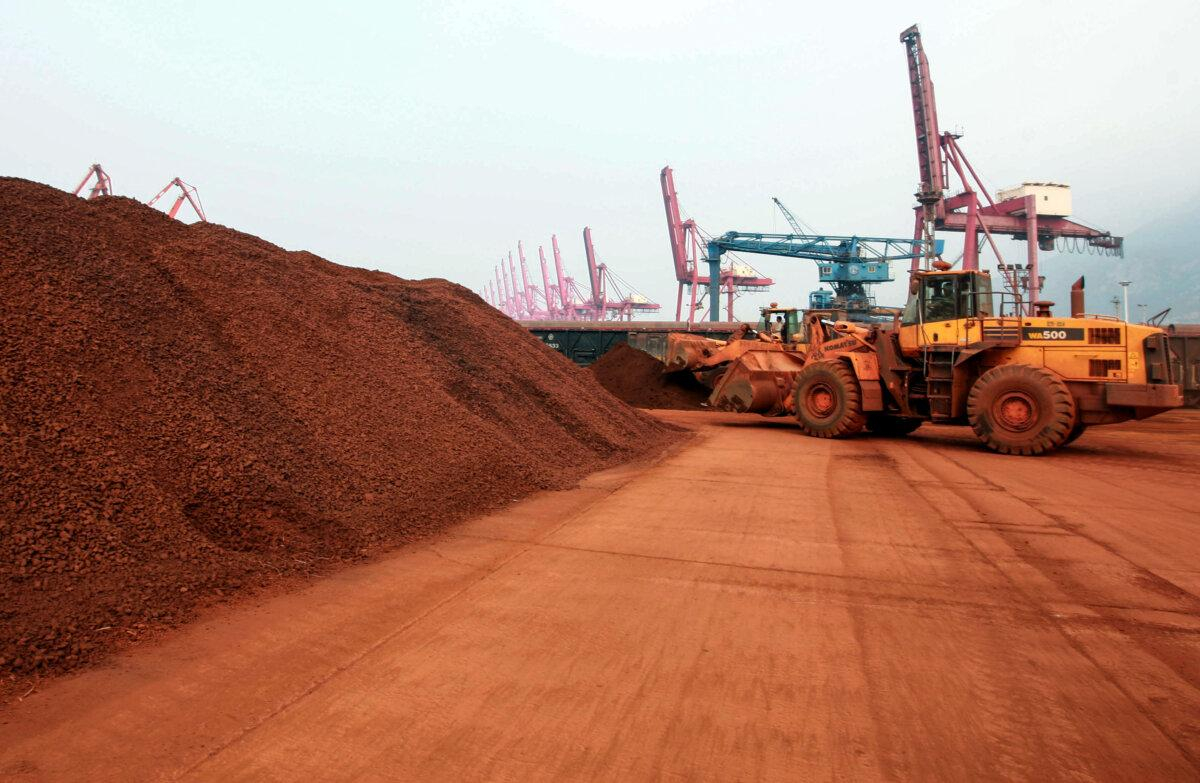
{"points": [[939, 379]]}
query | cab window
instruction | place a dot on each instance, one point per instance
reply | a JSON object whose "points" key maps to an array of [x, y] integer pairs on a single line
{"points": [[982, 301], [949, 297]]}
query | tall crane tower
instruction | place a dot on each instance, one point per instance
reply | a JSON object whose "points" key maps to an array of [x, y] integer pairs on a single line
{"points": [[1036, 212], [688, 241]]}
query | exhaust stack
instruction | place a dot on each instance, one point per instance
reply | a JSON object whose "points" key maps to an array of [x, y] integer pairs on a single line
{"points": [[1077, 307]]}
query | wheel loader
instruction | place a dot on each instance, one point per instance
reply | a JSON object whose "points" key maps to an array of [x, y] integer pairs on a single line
{"points": [[1025, 384]]}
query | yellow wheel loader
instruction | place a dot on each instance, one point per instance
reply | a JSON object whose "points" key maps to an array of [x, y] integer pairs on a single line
{"points": [[1025, 384]]}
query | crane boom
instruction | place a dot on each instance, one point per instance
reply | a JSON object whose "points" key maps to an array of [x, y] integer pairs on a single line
{"points": [[594, 269], [509, 299], [818, 247], [564, 289], [929, 150], [547, 292], [518, 305], [849, 264], [529, 306], [792, 220], [675, 227]]}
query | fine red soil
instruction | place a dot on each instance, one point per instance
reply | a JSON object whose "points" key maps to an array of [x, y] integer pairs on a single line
{"points": [[189, 411], [637, 378], [900, 609]]}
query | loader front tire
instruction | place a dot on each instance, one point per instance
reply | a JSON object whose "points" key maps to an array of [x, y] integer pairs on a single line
{"points": [[1021, 409], [828, 401]]}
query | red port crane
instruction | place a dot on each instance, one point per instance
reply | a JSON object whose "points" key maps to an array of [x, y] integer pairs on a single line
{"points": [[186, 193], [1015, 214], [102, 187], [548, 292], [688, 243], [509, 302], [518, 303], [566, 284], [611, 296], [532, 311]]}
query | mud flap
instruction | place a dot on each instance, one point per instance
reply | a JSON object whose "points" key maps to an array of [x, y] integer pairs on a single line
{"points": [[866, 370]]}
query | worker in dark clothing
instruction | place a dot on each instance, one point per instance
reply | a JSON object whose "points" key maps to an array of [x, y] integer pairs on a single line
{"points": [[939, 301]]}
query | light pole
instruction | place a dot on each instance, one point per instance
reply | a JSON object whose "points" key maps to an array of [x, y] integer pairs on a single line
{"points": [[1125, 295], [1116, 303], [1142, 313]]}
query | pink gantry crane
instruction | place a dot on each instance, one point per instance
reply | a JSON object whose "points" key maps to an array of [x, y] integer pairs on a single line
{"points": [[102, 186], [566, 284], [518, 300], [688, 243], [186, 193], [533, 310], [510, 305], [1035, 211], [549, 292], [560, 298], [611, 296]]}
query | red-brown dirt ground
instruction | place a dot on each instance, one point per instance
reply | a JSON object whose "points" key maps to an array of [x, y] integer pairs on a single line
{"points": [[752, 605]]}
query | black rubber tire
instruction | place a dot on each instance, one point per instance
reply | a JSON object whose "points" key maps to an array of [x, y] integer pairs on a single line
{"points": [[1076, 431], [1021, 409], [889, 426], [828, 401]]}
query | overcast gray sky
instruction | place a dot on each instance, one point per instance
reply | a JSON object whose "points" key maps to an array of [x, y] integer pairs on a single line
{"points": [[426, 138]]}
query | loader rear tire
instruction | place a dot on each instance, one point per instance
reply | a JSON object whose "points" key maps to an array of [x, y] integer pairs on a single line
{"points": [[891, 426], [1021, 409], [828, 401]]}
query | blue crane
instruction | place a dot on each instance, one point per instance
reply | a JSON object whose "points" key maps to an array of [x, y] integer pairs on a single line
{"points": [[848, 264]]}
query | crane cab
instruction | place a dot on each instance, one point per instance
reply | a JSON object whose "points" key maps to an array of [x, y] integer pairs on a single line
{"points": [[939, 304]]}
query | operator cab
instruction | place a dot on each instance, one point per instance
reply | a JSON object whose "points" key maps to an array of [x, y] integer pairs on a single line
{"points": [[784, 322], [947, 296]]}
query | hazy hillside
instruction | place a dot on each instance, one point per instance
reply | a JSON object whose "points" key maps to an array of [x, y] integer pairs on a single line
{"points": [[1161, 259]]}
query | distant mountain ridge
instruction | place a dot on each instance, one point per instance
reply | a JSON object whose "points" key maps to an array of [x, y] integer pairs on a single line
{"points": [[1162, 259]]}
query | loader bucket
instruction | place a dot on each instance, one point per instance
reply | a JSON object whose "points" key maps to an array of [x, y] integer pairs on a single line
{"points": [[688, 351], [758, 382]]}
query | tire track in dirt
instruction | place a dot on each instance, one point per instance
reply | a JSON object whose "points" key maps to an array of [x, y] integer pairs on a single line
{"points": [[1179, 728], [1010, 752]]}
